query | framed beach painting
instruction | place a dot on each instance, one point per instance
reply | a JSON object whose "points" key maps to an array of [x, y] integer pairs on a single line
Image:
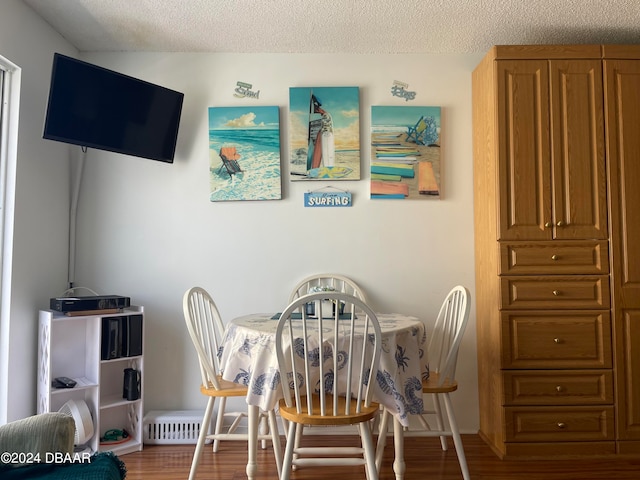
{"points": [[324, 133], [244, 153], [405, 152]]}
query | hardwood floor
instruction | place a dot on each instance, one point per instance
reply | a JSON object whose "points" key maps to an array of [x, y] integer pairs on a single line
{"points": [[423, 456]]}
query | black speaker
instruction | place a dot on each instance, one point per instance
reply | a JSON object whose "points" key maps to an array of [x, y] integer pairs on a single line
{"points": [[131, 332], [131, 385], [111, 338]]}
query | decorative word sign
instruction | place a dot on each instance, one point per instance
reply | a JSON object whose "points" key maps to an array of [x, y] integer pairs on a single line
{"points": [[398, 90], [327, 199], [244, 90]]}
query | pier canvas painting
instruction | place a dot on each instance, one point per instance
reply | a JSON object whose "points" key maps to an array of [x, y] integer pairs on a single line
{"points": [[324, 133], [405, 152], [244, 153]]}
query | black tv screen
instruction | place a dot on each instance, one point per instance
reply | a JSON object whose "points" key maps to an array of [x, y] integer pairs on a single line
{"points": [[94, 107]]}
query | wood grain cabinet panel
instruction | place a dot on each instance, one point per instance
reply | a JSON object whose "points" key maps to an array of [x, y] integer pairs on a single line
{"points": [[542, 340], [559, 424], [555, 292], [622, 93], [558, 387], [557, 256], [525, 209], [552, 177]]}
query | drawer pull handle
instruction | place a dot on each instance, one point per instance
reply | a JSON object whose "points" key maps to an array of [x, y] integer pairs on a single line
{"points": [[559, 388], [557, 340], [560, 223], [562, 425], [556, 293], [554, 257], [548, 225]]}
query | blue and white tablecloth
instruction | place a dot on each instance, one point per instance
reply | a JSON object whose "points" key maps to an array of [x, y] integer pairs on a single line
{"points": [[248, 357]]}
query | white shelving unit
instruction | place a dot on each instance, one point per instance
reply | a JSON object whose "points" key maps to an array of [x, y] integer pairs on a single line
{"points": [[70, 346]]}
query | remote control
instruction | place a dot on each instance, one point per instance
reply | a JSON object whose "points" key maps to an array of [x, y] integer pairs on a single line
{"points": [[63, 382]]}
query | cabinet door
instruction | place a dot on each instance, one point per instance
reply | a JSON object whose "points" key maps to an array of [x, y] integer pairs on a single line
{"points": [[622, 83], [550, 118], [577, 141], [524, 150]]}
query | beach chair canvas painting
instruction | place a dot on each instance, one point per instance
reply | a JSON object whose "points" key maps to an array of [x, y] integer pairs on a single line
{"points": [[244, 153], [324, 133], [405, 152]]}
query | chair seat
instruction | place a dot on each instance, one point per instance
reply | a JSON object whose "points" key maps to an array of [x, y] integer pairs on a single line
{"points": [[367, 413], [431, 384], [205, 328], [229, 153], [227, 389], [443, 352], [346, 362]]}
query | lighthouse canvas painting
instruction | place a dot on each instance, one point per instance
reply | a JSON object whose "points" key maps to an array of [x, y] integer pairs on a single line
{"points": [[244, 153], [324, 133]]}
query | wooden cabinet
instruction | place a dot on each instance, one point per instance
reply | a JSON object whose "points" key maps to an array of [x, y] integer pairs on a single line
{"points": [[549, 286], [550, 142], [622, 98]]}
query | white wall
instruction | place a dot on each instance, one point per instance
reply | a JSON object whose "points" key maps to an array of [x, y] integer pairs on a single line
{"points": [[148, 230], [42, 203]]}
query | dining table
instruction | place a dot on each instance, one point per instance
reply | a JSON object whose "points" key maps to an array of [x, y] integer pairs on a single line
{"points": [[248, 357]]}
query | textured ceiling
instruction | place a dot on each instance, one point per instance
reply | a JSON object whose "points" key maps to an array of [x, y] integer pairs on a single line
{"points": [[336, 26]]}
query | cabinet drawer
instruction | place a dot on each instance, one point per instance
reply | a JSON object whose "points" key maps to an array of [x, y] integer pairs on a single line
{"points": [[554, 258], [558, 387], [558, 424], [578, 291], [556, 340]]}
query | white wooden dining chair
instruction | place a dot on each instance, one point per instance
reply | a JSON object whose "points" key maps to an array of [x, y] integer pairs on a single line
{"points": [[328, 382], [338, 283], [443, 355], [335, 281], [205, 328]]}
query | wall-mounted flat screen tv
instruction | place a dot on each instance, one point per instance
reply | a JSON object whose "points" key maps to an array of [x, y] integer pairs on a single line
{"points": [[94, 107]]}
